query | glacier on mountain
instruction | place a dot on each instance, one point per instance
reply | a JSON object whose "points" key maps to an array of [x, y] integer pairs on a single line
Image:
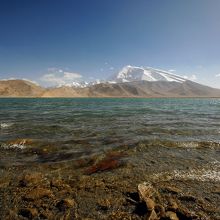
{"points": [[134, 73]]}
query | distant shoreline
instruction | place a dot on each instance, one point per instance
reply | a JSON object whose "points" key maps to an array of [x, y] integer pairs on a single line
{"points": [[111, 97]]}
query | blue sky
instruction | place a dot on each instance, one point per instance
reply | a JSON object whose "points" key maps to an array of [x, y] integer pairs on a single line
{"points": [[96, 38]]}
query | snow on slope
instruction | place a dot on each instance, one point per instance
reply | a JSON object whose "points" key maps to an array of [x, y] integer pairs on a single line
{"points": [[133, 73]]}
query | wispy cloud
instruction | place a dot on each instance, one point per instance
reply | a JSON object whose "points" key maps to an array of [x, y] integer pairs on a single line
{"points": [[172, 70], [217, 75], [59, 77], [107, 66]]}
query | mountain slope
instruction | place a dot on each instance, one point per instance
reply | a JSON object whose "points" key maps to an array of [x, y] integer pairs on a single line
{"points": [[133, 73], [153, 89], [19, 88]]}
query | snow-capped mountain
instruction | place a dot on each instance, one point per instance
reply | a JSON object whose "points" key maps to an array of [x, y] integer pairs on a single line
{"points": [[134, 73], [83, 84], [165, 85]]}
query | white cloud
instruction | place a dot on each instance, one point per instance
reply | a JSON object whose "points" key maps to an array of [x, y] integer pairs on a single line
{"points": [[217, 75], [71, 76], [59, 77], [171, 70]]}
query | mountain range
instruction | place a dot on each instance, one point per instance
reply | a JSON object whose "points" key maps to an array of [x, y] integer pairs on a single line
{"points": [[131, 81]]}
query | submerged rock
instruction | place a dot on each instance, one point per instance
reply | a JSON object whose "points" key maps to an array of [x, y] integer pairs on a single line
{"points": [[18, 144], [145, 191], [19, 141], [172, 189], [111, 161]]}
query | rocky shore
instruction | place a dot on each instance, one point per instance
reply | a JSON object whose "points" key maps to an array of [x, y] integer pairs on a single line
{"points": [[145, 181]]}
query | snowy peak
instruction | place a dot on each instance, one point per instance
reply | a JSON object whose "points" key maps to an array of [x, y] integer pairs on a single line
{"points": [[133, 73], [84, 84]]}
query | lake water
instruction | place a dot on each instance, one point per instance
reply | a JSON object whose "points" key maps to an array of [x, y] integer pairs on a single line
{"points": [[82, 126]]}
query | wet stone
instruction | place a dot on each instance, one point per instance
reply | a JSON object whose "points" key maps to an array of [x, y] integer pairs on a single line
{"points": [[171, 216], [188, 198], [46, 214], [152, 216], [172, 205], [145, 191], [150, 204], [171, 189], [160, 210], [65, 204], [103, 204]]}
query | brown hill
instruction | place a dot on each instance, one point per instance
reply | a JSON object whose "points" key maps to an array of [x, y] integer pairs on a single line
{"points": [[19, 88], [22, 88]]}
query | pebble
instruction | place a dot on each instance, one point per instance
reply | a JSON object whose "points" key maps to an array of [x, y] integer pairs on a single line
{"points": [[65, 204], [152, 216], [171, 216], [150, 204], [172, 205]]}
